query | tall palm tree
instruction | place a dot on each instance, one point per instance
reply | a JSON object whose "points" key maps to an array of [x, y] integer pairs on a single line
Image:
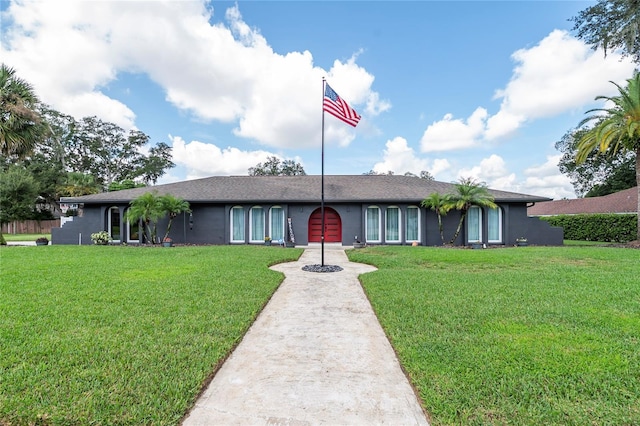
{"points": [[441, 204], [148, 209], [617, 128], [20, 124], [173, 206], [469, 193]]}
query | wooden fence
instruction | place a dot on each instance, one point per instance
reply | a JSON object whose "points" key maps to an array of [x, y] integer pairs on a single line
{"points": [[30, 226]]}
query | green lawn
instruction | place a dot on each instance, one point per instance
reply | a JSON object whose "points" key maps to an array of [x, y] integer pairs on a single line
{"points": [[122, 335], [534, 335]]}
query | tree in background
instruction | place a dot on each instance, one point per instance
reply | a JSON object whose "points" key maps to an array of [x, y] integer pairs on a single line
{"points": [[274, 167], [469, 193], [612, 25], [21, 126], [598, 174], [617, 128], [77, 184], [18, 194]]}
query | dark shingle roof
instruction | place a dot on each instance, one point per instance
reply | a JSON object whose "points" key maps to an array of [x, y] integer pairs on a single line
{"points": [[625, 201], [340, 188]]}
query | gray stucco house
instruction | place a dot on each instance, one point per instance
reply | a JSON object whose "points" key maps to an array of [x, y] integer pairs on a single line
{"points": [[376, 209]]}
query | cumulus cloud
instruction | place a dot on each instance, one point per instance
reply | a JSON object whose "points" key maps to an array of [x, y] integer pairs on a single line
{"points": [[400, 158], [203, 159], [227, 71], [557, 75], [451, 134], [546, 180]]}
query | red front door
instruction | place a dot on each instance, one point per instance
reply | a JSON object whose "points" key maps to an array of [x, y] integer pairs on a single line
{"points": [[332, 226]]}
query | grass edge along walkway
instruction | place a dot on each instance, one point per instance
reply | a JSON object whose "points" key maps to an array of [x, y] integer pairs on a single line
{"points": [[122, 335], [535, 335]]}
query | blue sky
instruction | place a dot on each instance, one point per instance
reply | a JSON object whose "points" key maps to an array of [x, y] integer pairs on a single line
{"points": [[460, 89]]}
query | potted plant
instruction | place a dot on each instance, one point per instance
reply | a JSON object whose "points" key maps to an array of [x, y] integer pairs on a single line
{"points": [[101, 238], [167, 242], [522, 242], [267, 241], [42, 241]]}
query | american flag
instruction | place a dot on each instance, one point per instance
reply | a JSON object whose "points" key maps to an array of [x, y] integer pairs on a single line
{"points": [[335, 106]]}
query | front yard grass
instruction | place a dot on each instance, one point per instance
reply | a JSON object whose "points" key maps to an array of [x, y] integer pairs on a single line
{"points": [[534, 335], [122, 335]]}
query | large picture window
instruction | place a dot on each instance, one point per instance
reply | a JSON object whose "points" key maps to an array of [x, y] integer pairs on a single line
{"points": [[373, 224], [474, 224], [392, 225], [256, 224], [413, 224], [276, 222], [494, 225], [237, 224]]}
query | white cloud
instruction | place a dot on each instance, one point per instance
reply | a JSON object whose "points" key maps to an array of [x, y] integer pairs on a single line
{"points": [[450, 134], [400, 158], [203, 159], [546, 180], [70, 50], [492, 170], [557, 75]]}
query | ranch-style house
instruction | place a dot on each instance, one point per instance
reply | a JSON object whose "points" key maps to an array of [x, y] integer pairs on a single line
{"points": [[372, 209]]}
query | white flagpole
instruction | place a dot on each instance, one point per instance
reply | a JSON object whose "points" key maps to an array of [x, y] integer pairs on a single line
{"points": [[322, 181]]}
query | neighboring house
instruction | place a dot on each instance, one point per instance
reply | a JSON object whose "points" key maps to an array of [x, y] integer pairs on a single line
{"points": [[376, 209], [625, 201]]}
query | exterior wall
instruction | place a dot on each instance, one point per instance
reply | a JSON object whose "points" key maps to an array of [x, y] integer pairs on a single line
{"points": [[80, 229], [537, 232], [211, 224]]}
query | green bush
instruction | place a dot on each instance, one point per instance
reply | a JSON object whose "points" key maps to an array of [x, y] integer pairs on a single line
{"points": [[617, 228]]}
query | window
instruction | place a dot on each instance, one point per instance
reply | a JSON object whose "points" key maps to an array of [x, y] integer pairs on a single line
{"points": [[114, 224], [494, 225], [474, 224], [413, 224], [237, 224], [133, 232], [392, 225], [276, 221], [256, 225], [372, 221]]}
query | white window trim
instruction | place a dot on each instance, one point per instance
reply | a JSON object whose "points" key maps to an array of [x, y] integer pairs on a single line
{"points": [[113, 239], [251, 210], [283, 224], [231, 223], [128, 229], [386, 222], [479, 225], [419, 223], [499, 240], [366, 221]]}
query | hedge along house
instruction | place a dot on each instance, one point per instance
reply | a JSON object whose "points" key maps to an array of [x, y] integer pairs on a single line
{"points": [[375, 209]]}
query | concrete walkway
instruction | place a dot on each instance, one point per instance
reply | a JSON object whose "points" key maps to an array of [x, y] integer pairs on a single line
{"points": [[315, 355]]}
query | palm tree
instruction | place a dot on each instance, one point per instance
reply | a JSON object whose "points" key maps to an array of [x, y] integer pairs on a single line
{"points": [[617, 127], [148, 209], [20, 124], [173, 207], [441, 204], [469, 193]]}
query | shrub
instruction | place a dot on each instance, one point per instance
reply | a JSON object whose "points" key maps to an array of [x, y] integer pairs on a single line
{"points": [[101, 238], [619, 228]]}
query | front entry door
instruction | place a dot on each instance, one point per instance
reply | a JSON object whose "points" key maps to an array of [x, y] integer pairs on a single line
{"points": [[332, 226]]}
